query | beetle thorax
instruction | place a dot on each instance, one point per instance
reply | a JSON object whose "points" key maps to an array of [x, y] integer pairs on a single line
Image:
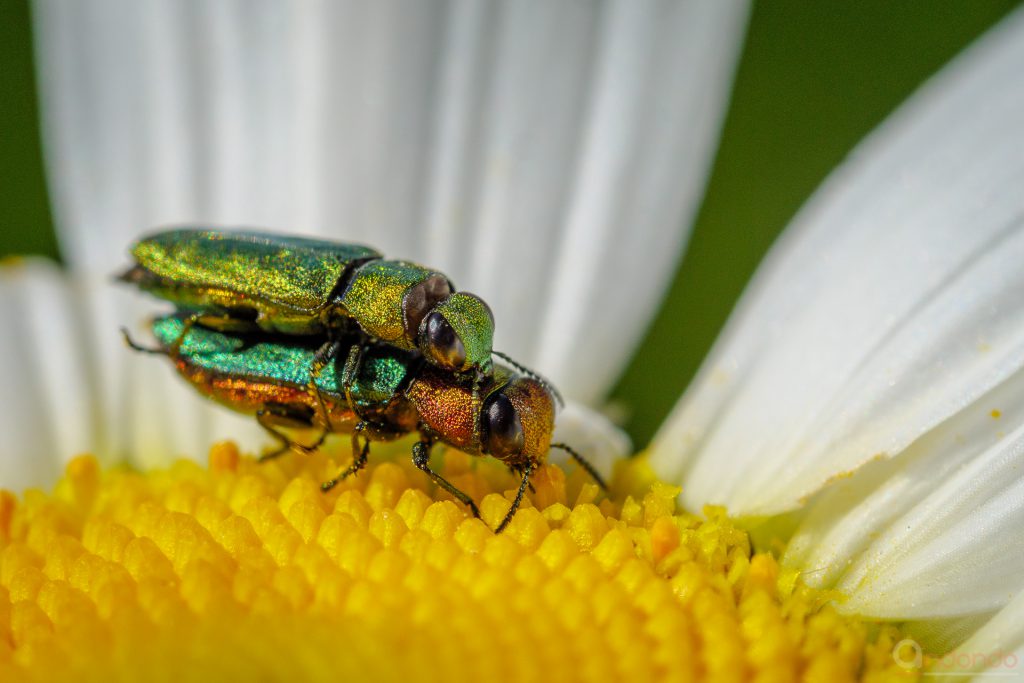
{"points": [[447, 408]]}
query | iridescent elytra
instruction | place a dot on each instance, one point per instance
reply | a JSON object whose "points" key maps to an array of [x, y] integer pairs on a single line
{"points": [[393, 393], [237, 281]]}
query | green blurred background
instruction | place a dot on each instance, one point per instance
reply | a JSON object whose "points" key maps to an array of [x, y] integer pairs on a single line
{"points": [[814, 78]]}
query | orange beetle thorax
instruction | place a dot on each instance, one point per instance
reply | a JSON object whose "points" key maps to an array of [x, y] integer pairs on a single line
{"points": [[447, 408]]}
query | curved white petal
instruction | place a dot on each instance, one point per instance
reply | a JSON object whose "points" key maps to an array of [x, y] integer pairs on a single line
{"points": [[996, 648], [41, 385], [509, 144], [854, 518], [957, 551], [71, 385], [892, 304]]}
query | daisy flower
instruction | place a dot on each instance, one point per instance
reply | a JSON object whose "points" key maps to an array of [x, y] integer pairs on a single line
{"points": [[848, 459]]}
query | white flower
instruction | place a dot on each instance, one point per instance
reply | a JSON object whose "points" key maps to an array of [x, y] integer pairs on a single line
{"points": [[504, 142], [870, 384]]}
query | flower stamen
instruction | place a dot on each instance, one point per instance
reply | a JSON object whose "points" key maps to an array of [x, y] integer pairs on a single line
{"points": [[245, 571]]}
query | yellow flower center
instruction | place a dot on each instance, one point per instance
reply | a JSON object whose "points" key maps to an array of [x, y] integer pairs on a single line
{"points": [[242, 571]]}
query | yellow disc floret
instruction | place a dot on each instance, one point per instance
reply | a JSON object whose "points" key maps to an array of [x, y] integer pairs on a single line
{"points": [[241, 571]]}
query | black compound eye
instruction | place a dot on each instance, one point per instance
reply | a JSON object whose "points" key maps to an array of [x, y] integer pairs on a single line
{"points": [[503, 430], [422, 298], [440, 343]]}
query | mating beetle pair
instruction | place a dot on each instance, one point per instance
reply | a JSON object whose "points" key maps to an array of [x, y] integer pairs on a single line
{"points": [[256, 309]]}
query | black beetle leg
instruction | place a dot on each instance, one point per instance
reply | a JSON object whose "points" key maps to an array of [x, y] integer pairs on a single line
{"points": [[138, 347], [349, 375], [421, 458], [359, 456], [264, 416], [323, 356], [582, 463], [527, 471]]}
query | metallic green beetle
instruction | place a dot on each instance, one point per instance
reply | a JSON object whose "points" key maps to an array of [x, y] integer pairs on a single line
{"points": [[394, 393], [245, 281]]}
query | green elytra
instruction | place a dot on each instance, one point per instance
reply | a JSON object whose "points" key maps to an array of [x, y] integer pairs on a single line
{"points": [[390, 393], [246, 281], [254, 358]]}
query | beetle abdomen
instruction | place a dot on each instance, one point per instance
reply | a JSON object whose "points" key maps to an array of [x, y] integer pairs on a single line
{"points": [[246, 269]]}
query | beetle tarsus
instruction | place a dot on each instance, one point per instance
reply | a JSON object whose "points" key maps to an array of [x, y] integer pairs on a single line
{"points": [[138, 347]]}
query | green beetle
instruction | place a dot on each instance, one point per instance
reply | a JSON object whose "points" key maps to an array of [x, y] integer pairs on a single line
{"points": [[245, 281], [393, 393]]}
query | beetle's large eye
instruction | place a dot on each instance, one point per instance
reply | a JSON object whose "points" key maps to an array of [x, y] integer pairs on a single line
{"points": [[441, 344], [422, 298], [502, 429]]}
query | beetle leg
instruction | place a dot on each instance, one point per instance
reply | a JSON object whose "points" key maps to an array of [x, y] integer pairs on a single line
{"points": [[174, 350], [421, 458], [358, 457], [582, 463], [323, 356], [527, 471], [135, 346], [265, 417], [350, 373]]}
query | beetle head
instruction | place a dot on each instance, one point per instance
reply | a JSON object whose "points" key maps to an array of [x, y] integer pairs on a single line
{"points": [[457, 335], [517, 421]]}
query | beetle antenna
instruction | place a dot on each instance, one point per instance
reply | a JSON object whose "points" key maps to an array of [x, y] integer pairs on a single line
{"points": [[582, 463], [138, 347], [537, 376]]}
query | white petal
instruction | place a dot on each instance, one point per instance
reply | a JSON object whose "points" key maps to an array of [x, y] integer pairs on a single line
{"points": [[956, 552], [996, 648], [40, 378], [848, 518], [508, 144], [891, 305], [71, 385]]}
